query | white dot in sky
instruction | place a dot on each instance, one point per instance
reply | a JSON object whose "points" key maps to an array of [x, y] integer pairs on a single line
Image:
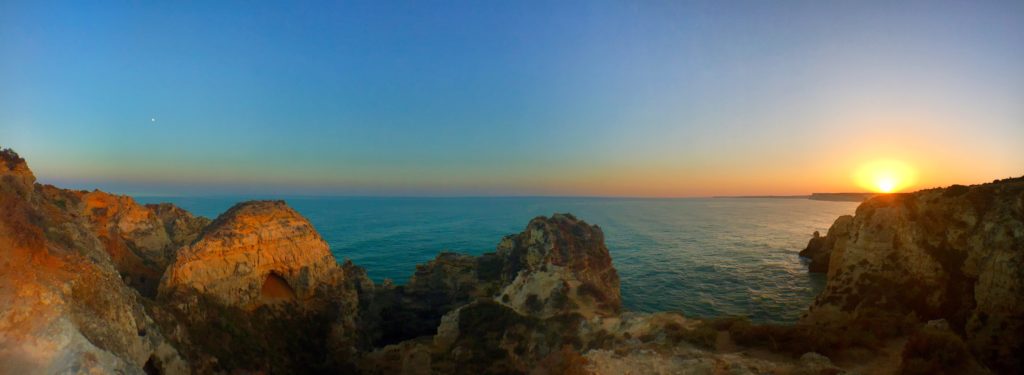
{"points": [[152, 120]]}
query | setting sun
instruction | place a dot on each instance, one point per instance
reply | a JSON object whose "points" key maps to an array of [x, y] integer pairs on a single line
{"points": [[885, 176]]}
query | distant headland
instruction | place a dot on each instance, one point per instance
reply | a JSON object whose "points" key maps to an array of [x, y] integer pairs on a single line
{"points": [[835, 197]]}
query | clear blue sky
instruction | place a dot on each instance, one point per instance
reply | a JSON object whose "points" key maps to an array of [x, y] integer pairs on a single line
{"points": [[513, 98]]}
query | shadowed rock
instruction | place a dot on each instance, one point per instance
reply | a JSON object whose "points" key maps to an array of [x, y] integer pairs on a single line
{"points": [[259, 290], [955, 253], [819, 249], [558, 265]]}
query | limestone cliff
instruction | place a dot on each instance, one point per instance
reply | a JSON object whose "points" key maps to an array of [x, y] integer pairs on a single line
{"points": [[256, 253], [819, 249], [181, 226], [138, 240], [526, 308], [558, 265], [63, 305], [955, 253], [260, 290]]}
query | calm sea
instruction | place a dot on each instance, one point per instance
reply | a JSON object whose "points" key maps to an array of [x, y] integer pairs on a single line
{"points": [[704, 257]]}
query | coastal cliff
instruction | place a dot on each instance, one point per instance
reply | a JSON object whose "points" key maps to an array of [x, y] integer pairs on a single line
{"points": [[65, 301], [95, 283], [955, 253]]}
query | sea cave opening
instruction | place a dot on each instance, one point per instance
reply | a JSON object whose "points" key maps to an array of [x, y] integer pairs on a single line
{"points": [[276, 289]]}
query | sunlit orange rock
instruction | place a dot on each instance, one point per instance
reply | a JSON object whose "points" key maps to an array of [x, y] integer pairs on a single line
{"points": [[252, 245], [260, 291], [63, 306]]}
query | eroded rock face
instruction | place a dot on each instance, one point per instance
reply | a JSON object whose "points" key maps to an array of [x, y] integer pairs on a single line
{"points": [[137, 239], [134, 235], [252, 245], [15, 176], [181, 226], [819, 249], [955, 253], [402, 312], [63, 305], [516, 310], [559, 265], [259, 290]]}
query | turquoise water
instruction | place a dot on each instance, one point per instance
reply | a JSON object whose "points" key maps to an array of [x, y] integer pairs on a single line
{"points": [[704, 257]]}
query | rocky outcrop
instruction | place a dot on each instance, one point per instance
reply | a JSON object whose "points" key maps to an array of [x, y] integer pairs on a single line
{"points": [[257, 253], [141, 241], [63, 305], [955, 253], [397, 313], [559, 265], [136, 238], [181, 226], [819, 249], [260, 290], [15, 176]]}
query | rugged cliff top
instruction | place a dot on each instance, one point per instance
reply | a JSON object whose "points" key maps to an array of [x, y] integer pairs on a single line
{"points": [[257, 252], [15, 174], [954, 253]]}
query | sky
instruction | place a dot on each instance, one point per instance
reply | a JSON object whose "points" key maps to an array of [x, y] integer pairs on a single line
{"points": [[566, 98]]}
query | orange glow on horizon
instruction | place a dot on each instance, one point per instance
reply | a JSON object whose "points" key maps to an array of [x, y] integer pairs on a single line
{"points": [[885, 176]]}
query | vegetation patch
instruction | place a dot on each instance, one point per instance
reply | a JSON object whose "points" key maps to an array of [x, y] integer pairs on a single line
{"points": [[704, 335], [795, 340], [934, 351]]}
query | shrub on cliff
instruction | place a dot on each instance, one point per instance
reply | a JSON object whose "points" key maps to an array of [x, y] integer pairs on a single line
{"points": [[703, 335], [934, 351], [802, 338]]}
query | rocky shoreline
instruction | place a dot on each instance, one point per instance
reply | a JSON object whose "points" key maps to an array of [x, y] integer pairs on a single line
{"points": [[91, 282]]}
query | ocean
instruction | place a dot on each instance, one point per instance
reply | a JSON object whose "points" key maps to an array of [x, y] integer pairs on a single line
{"points": [[700, 256]]}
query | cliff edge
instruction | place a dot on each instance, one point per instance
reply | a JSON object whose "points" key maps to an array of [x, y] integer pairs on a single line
{"points": [[954, 253], [64, 307]]}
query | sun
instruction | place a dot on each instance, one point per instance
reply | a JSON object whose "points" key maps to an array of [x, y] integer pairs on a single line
{"points": [[885, 176], [886, 185]]}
